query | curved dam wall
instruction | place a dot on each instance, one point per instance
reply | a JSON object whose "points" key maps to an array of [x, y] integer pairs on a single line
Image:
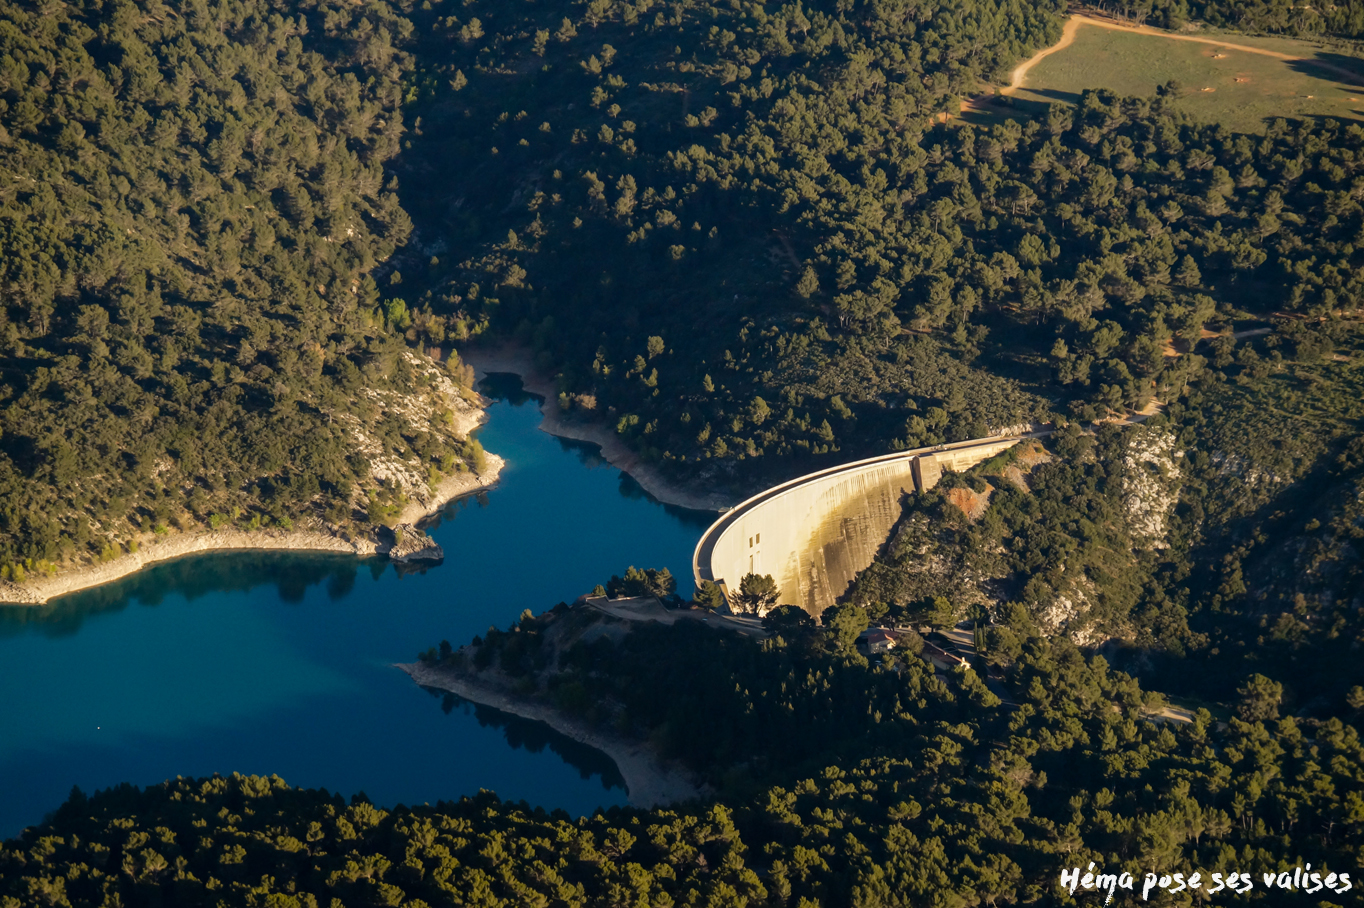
{"points": [[814, 534]]}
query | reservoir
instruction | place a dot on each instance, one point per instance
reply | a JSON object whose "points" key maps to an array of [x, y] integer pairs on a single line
{"points": [[281, 663]]}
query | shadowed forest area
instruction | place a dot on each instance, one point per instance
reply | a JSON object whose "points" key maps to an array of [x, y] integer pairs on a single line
{"points": [[840, 290], [841, 782], [735, 234]]}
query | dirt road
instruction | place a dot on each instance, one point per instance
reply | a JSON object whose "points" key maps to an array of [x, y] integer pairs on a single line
{"points": [[1067, 38]]}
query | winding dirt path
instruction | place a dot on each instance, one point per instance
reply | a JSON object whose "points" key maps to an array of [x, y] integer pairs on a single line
{"points": [[1067, 38], [1075, 21]]}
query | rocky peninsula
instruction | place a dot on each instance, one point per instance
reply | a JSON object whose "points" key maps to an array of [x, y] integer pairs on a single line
{"points": [[449, 410]]}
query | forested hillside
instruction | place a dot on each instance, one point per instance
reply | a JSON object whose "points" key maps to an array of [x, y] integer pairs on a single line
{"points": [[742, 236], [1214, 542], [693, 212], [194, 196], [1275, 17]]}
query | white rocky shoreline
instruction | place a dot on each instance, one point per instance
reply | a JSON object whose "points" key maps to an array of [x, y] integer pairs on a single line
{"points": [[313, 536]]}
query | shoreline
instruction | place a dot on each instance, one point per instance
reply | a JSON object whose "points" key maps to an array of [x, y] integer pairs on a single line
{"points": [[517, 361], [452, 487], [315, 536], [648, 781]]}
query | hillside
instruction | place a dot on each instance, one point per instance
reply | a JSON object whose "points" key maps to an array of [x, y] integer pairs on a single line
{"points": [[739, 237], [843, 783], [1207, 544], [748, 244], [239, 241], [195, 200]]}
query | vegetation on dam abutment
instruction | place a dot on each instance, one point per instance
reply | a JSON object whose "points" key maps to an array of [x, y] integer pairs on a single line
{"points": [[1212, 550], [1214, 541]]}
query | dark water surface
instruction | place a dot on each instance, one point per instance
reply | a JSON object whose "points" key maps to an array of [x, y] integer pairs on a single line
{"points": [[282, 663]]}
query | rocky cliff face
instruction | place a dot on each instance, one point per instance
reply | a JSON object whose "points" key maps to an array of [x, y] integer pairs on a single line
{"points": [[1071, 535], [436, 415], [1068, 612], [411, 545]]}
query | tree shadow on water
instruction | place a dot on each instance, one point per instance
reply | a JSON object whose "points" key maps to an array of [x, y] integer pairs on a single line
{"points": [[534, 737], [290, 573], [505, 386], [629, 488], [588, 453], [453, 508]]}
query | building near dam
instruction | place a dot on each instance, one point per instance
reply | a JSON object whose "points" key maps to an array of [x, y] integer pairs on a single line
{"points": [[815, 533]]}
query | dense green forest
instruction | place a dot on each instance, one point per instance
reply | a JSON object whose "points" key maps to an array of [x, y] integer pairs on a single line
{"points": [[195, 198], [1211, 542], [738, 233], [651, 229], [1274, 17], [741, 236]]}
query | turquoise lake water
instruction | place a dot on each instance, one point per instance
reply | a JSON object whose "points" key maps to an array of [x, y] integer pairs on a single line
{"points": [[281, 663]]}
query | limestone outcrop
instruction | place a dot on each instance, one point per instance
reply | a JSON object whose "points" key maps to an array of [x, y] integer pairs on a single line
{"points": [[413, 545]]}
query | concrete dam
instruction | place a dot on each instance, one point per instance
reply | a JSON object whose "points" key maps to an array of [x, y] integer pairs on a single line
{"points": [[814, 534]]}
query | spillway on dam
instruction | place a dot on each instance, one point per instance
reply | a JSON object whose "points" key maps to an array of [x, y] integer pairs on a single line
{"points": [[815, 534]]}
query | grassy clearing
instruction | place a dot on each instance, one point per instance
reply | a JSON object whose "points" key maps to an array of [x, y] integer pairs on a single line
{"points": [[1328, 393], [1247, 90]]}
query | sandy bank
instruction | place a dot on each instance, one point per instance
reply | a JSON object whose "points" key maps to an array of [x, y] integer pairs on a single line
{"points": [[518, 360], [39, 590], [308, 536], [649, 781]]}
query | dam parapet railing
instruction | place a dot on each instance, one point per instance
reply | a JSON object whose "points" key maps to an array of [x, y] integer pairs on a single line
{"points": [[816, 532]]}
